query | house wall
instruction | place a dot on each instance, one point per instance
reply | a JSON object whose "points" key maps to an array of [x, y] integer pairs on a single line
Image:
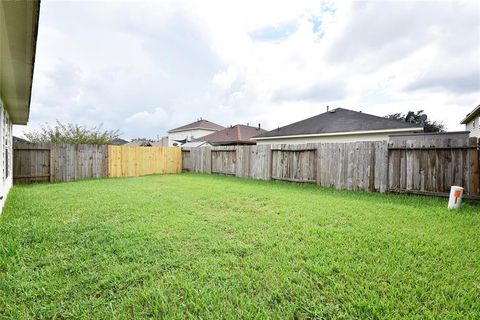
{"points": [[189, 134], [474, 127], [331, 139], [6, 155]]}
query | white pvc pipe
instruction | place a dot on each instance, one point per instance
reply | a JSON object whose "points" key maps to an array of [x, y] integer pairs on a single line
{"points": [[456, 194]]}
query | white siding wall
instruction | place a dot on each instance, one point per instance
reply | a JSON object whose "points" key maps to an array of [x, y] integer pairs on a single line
{"points": [[333, 139], [6, 155], [474, 129], [196, 133]]}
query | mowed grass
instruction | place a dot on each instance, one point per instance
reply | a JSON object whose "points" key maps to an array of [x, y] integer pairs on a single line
{"points": [[211, 247]]}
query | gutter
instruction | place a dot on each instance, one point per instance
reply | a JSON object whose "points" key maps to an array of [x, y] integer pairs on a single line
{"points": [[339, 133], [471, 115]]}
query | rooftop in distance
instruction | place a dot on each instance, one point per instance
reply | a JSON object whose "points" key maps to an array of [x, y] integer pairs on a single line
{"points": [[199, 124]]}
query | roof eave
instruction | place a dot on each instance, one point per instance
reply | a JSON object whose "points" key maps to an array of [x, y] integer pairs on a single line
{"points": [[18, 36], [339, 133], [471, 115]]}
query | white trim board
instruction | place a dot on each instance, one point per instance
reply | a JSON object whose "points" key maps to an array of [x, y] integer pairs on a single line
{"points": [[339, 133]]}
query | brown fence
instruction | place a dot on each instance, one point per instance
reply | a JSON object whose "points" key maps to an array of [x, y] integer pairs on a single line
{"points": [[54, 163], [434, 165], [428, 165], [31, 163], [64, 162]]}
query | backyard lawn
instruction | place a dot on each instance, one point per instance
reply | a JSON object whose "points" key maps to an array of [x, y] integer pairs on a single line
{"points": [[209, 247]]}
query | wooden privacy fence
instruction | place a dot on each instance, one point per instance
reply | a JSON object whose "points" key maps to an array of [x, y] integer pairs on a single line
{"points": [[31, 163], [55, 163], [64, 162], [139, 161], [429, 166], [433, 166]]}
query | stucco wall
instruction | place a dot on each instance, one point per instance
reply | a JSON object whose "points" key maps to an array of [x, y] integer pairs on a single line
{"points": [[474, 132], [338, 138], [197, 133], [6, 152]]}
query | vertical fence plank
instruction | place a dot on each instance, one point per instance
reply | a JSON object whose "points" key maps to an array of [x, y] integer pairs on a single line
{"points": [[475, 165], [137, 161]]}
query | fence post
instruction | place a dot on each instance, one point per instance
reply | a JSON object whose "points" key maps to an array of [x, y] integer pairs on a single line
{"points": [[371, 176], [475, 173], [52, 163], [318, 169]]}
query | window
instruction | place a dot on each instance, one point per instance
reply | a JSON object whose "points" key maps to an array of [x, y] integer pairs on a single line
{"points": [[7, 164], [5, 144], [2, 144]]}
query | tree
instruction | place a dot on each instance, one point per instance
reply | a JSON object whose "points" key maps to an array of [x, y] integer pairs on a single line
{"points": [[72, 134], [419, 118]]}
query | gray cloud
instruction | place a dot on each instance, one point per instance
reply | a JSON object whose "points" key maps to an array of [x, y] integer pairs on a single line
{"points": [[170, 70], [384, 32], [148, 67], [323, 91], [460, 82]]}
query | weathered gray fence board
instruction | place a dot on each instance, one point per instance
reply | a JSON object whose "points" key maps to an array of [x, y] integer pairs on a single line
{"points": [[31, 163], [292, 163], [432, 165], [186, 160], [260, 162], [424, 165], [223, 160], [56, 163]]}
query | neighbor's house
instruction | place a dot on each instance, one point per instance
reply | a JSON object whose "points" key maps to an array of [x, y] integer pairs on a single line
{"points": [[191, 131], [163, 142], [472, 122], [338, 125], [18, 38], [118, 142], [232, 136]]}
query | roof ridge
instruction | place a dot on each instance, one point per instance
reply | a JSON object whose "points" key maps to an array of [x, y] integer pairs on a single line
{"points": [[343, 120]]}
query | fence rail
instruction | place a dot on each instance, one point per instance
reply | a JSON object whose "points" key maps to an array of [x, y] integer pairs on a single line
{"points": [[64, 162], [427, 166]]}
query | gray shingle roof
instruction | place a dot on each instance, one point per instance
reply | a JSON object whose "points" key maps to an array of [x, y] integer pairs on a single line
{"points": [[199, 124], [238, 134], [336, 121]]}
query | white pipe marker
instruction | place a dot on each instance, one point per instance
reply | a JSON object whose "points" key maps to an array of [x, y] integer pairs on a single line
{"points": [[456, 194]]}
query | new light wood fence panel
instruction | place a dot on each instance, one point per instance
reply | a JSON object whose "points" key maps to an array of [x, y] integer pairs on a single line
{"points": [[138, 161]]}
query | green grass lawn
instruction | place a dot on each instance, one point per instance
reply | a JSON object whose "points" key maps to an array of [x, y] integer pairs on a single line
{"points": [[199, 246]]}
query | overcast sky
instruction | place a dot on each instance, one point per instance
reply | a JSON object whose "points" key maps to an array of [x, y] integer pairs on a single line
{"points": [[146, 67]]}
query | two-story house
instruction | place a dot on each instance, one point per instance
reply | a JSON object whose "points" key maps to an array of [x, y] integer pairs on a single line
{"points": [[472, 122], [191, 131]]}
